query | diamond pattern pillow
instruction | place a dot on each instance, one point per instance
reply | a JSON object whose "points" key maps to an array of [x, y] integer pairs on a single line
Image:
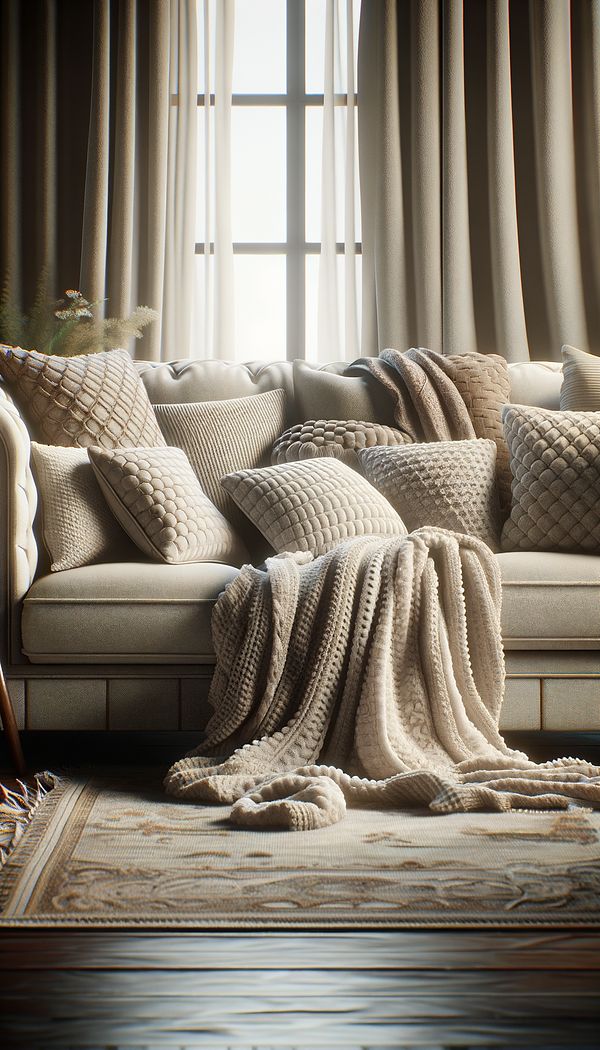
{"points": [[555, 463], [341, 439], [156, 497], [313, 505], [95, 399], [448, 484]]}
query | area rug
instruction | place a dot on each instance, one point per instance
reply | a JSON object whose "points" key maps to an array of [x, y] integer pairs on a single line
{"points": [[106, 851]]}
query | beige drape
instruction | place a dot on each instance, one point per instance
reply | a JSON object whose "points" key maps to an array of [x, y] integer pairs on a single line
{"points": [[479, 146]]}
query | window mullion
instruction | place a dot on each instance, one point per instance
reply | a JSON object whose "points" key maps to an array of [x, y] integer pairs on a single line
{"points": [[295, 203]]}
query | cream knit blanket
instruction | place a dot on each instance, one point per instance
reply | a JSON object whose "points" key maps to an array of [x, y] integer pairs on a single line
{"points": [[371, 675]]}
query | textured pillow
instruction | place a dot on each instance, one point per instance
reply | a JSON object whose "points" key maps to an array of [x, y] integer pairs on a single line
{"points": [[96, 399], [449, 484], [555, 463], [221, 436], [76, 525], [580, 390], [155, 495], [336, 438], [326, 395], [313, 505]]}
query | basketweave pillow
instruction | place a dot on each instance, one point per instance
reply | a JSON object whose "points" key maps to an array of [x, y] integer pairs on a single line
{"points": [[222, 436], [155, 495], [555, 463], [95, 399], [448, 484], [312, 505], [580, 390], [77, 527], [341, 439]]}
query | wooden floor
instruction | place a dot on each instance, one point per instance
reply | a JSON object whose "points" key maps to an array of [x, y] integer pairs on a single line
{"points": [[367, 990]]}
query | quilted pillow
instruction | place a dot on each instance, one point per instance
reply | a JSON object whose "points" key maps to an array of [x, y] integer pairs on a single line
{"points": [[449, 484], [76, 525], [580, 390], [96, 399], [312, 505], [221, 436], [327, 437], [155, 495], [555, 463]]}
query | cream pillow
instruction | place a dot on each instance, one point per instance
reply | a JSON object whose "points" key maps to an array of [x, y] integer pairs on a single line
{"points": [[555, 463], [448, 484], [221, 436], [312, 505], [155, 495], [341, 439], [580, 390], [77, 527], [95, 399]]}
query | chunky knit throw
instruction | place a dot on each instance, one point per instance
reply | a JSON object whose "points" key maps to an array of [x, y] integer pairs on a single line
{"points": [[371, 675]]}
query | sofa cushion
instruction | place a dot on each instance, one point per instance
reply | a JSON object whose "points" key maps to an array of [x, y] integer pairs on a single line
{"points": [[156, 497], [550, 600], [124, 612], [96, 399]]}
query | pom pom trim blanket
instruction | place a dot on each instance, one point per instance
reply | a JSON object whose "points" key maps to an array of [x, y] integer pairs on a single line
{"points": [[372, 675]]}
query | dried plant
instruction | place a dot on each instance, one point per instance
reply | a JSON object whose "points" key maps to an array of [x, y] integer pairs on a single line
{"points": [[68, 326]]}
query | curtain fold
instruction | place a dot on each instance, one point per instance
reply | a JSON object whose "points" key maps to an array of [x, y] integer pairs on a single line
{"points": [[479, 155]]}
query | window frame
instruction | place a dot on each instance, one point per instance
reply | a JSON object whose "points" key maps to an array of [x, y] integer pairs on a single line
{"points": [[295, 248]]}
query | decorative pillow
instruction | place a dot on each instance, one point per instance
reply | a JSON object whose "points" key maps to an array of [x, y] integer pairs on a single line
{"points": [[580, 390], [77, 526], [313, 505], [95, 399], [323, 395], [221, 436], [327, 437], [155, 495], [555, 463], [449, 484]]}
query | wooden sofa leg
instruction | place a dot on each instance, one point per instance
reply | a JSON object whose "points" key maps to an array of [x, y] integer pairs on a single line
{"points": [[9, 724]]}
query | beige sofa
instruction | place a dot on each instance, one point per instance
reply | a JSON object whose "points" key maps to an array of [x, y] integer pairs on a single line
{"points": [[128, 646]]}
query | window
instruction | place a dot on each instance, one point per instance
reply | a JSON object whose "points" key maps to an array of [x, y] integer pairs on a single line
{"points": [[275, 185]]}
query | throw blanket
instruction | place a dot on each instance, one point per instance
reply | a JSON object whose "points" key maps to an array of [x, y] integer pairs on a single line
{"points": [[371, 675]]}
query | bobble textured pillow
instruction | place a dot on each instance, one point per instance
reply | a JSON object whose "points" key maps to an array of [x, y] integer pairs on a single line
{"points": [[312, 505], [157, 498]]}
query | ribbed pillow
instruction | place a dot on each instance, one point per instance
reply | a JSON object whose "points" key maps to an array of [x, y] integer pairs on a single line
{"points": [[312, 505], [448, 484], [77, 527], [221, 436], [96, 399], [555, 463], [340, 439], [155, 495], [580, 390]]}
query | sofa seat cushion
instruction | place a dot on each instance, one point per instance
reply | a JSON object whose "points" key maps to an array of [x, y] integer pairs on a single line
{"points": [[124, 612], [550, 600]]}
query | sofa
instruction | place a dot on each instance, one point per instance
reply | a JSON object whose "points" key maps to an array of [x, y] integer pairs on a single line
{"points": [[123, 646]]}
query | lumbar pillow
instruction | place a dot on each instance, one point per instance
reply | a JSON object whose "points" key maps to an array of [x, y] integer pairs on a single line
{"points": [[336, 438], [221, 436], [95, 399], [580, 390], [555, 463], [77, 526], [155, 495], [449, 484], [312, 505]]}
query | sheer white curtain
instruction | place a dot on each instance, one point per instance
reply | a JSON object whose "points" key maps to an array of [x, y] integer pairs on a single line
{"points": [[338, 322], [214, 302]]}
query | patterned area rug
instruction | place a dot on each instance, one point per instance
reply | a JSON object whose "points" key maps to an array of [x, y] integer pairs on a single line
{"points": [[114, 851]]}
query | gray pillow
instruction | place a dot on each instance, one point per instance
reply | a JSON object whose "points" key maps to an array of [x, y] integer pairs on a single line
{"points": [[312, 505], [555, 464], [448, 484], [325, 395], [77, 527], [155, 495]]}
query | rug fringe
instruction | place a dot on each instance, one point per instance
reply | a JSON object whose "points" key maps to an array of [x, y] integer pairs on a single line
{"points": [[17, 809]]}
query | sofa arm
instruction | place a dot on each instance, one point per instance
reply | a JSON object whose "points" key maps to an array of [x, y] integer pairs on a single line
{"points": [[18, 548]]}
